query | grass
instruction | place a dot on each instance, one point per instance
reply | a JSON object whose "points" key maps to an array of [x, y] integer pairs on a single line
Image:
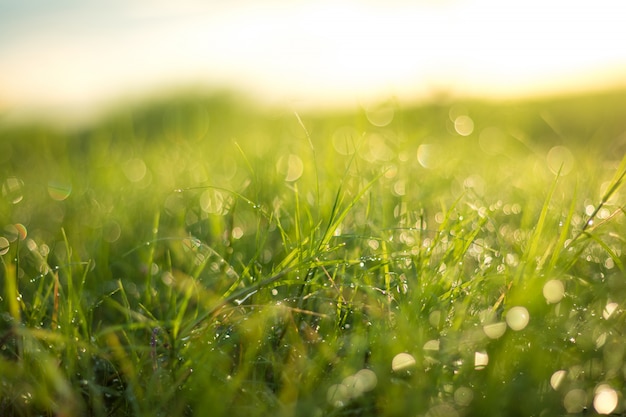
{"points": [[200, 256]]}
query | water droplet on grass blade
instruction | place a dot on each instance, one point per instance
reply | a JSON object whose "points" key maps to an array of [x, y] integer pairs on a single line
{"points": [[432, 345], [557, 378], [481, 359], [495, 330], [609, 310], [402, 362], [553, 291], [517, 318]]}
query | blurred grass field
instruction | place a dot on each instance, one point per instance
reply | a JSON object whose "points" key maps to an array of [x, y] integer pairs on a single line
{"points": [[202, 256]]}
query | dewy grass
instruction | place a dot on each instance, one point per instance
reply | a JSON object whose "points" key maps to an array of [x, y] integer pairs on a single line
{"points": [[204, 258]]}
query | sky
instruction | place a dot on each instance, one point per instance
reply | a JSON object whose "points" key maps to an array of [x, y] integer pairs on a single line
{"points": [[72, 55]]}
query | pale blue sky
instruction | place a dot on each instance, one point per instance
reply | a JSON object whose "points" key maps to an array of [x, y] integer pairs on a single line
{"points": [[76, 54]]}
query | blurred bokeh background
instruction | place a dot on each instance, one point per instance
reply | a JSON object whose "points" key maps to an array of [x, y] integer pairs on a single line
{"points": [[68, 56]]}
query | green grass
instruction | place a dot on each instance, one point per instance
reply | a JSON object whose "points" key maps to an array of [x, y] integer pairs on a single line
{"points": [[200, 256]]}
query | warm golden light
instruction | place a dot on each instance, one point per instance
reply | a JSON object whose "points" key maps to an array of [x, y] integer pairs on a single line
{"points": [[313, 53]]}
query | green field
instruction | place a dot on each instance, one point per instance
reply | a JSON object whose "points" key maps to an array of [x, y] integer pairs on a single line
{"points": [[203, 256]]}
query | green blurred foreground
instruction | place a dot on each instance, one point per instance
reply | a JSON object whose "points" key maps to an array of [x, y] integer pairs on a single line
{"points": [[202, 257]]}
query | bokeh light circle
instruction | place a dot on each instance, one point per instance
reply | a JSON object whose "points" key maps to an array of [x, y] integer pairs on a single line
{"points": [[213, 201], [135, 169], [517, 318], [609, 309], [557, 379], [337, 395], [290, 167], [380, 115], [605, 400], [494, 330], [553, 291], [366, 380], [481, 360], [560, 158], [442, 410], [12, 190], [464, 125], [59, 191], [429, 155], [16, 231], [4, 245], [575, 401], [463, 396], [402, 362]]}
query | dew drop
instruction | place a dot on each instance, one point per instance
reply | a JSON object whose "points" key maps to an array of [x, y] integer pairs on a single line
{"points": [[609, 310], [402, 362], [494, 330], [481, 360], [557, 378], [517, 318], [553, 291]]}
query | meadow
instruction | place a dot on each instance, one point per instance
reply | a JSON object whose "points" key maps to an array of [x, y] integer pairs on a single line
{"points": [[202, 255]]}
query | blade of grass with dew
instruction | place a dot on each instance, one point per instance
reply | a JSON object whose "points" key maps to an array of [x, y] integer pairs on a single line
{"points": [[150, 259], [616, 259], [565, 229], [537, 235], [614, 185], [11, 291]]}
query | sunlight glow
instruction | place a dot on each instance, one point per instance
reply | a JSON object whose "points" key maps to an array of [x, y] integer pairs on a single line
{"points": [[323, 52]]}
